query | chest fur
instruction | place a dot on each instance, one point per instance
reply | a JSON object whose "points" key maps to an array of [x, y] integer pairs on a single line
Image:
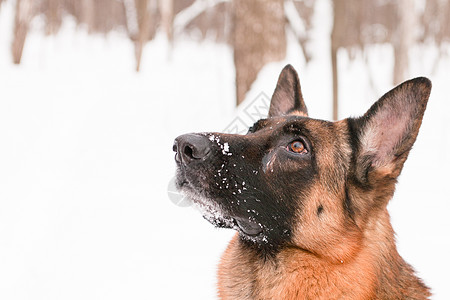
{"points": [[293, 275]]}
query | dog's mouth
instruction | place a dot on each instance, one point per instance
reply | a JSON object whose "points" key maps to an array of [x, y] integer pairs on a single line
{"points": [[249, 227], [244, 226], [217, 216]]}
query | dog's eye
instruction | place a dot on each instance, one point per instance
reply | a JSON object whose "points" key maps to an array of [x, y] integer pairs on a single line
{"points": [[297, 147]]}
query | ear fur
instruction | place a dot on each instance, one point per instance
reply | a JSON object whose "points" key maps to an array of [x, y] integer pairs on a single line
{"points": [[287, 98], [387, 132]]}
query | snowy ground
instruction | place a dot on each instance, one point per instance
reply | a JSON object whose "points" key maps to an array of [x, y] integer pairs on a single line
{"points": [[85, 159]]}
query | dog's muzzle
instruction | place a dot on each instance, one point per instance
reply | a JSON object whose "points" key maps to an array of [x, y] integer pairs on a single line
{"points": [[190, 148]]}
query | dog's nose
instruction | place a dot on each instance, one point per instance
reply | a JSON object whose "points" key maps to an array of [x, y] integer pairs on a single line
{"points": [[191, 147]]}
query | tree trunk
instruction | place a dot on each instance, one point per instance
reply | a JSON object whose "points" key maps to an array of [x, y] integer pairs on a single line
{"points": [[53, 16], [404, 39], [21, 23], [87, 14], [166, 12], [142, 7], [337, 38], [335, 73], [258, 38]]}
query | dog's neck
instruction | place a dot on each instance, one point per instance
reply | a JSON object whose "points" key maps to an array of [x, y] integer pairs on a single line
{"points": [[370, 273], [296, 274]]}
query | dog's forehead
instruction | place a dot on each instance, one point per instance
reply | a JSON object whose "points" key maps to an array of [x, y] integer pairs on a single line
{"points": [[279, 121], [316, 127]]}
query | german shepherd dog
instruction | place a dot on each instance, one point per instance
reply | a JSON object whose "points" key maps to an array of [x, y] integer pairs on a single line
{"points": [[308, 197]]}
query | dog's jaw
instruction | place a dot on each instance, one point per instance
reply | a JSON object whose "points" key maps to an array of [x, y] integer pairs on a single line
{"points": [[209, 209], [227, 194], [248, 229]]}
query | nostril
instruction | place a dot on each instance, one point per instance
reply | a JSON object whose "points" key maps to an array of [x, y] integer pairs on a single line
{"points": [[188, 151], [191, 147], [177, 154]]}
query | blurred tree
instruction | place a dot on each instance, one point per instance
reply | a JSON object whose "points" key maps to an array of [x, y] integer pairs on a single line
{"points": [[53, 15], [258, 38], [22, 19], [299, 16], [146, 10], [255, 29], [87, 13], [358, 24], [208, 17], [436, 26], [404, 39], [166, 11], [436, 21]]}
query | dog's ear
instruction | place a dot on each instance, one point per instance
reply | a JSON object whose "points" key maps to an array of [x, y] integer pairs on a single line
{"points": [[387, 132], [287, 98]]}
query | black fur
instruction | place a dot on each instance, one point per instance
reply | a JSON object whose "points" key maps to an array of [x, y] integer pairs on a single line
{"points": [[247, 187], [255, 184]]}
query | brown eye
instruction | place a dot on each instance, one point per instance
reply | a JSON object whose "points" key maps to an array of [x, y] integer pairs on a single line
{"points": [[297, 147]]}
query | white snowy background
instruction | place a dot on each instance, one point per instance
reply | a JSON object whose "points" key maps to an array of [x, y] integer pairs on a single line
{"points": [[86, 156]]}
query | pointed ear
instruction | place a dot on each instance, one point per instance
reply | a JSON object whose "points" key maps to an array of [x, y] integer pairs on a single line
{"points": [[388, 130], [287, 98]]}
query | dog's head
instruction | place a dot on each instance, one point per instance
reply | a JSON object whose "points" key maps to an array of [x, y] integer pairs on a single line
{"points": [[294, 181]]}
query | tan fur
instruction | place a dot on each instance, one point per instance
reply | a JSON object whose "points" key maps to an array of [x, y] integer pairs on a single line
{"points": [[298, 113], [370, 269], [334, 257], [311, 225], [296, 274]]}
